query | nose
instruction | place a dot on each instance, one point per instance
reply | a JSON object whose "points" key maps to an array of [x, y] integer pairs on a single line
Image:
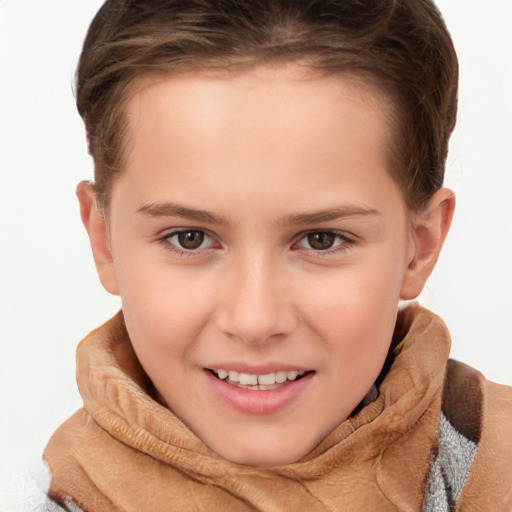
{"points": [[256, 301]]}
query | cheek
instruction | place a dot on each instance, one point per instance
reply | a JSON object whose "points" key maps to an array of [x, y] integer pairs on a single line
{"points": [[354, 312], [165, 311], [355, 294]]}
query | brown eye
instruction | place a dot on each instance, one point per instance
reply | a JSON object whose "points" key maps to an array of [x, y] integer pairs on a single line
{"points": [[191, 239], [322, 240], [187, 241]]}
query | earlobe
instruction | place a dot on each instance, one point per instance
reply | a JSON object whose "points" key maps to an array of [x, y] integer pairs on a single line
{"points": [[429, 230], [96, 227]]}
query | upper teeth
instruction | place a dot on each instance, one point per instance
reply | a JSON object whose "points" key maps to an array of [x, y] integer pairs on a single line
{"points": [[250, 379]]}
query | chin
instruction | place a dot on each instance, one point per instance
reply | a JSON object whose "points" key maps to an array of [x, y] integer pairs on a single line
{"points": [[265, 454]]}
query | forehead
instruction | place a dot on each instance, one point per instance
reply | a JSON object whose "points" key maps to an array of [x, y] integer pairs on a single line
{"points": [[286, 95], [270, 123]]}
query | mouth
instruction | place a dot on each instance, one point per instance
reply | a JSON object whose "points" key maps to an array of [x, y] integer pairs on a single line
{"points": [[259, 393], [256, 382]]}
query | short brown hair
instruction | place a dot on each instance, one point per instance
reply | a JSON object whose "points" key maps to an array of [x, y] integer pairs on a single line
{"points": [[401, 45]]}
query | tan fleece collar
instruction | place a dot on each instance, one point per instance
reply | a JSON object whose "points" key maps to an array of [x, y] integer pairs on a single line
{"points": [[124, 451]]}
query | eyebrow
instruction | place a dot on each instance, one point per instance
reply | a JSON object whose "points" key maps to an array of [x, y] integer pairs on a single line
{"points": [[177, 210], [329, 214]]}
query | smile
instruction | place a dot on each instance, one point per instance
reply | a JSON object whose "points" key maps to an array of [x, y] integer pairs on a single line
{"points": [[259, 393], [257, 382]]}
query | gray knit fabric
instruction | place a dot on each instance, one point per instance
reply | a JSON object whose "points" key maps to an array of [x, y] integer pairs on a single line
{"points": [[449, 469]]}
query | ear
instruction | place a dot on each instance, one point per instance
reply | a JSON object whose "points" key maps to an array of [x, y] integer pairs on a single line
{"points": [[96, 226], [429, 229]]}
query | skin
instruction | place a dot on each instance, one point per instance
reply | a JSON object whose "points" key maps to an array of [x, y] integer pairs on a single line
{"points": [[274, 155]]}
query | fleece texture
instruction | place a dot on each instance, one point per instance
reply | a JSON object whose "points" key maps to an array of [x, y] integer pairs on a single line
{"points": [[125, 452]]}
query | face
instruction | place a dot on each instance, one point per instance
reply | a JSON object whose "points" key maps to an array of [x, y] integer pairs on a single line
{"points": [[260, 248]]}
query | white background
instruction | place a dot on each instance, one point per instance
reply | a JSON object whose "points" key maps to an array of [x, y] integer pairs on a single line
{"points": [[49, 293]]}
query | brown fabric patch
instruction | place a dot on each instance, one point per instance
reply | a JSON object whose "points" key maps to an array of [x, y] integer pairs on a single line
{"points": [[463, 399]]}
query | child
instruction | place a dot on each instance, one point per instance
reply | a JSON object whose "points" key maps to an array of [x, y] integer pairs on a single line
{"points": [[268, 187]]}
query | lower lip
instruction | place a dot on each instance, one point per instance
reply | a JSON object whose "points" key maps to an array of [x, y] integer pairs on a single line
{"points": [[252, 401]]}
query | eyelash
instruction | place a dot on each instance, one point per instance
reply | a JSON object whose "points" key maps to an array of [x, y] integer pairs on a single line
{"points": [[342, 240]]}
